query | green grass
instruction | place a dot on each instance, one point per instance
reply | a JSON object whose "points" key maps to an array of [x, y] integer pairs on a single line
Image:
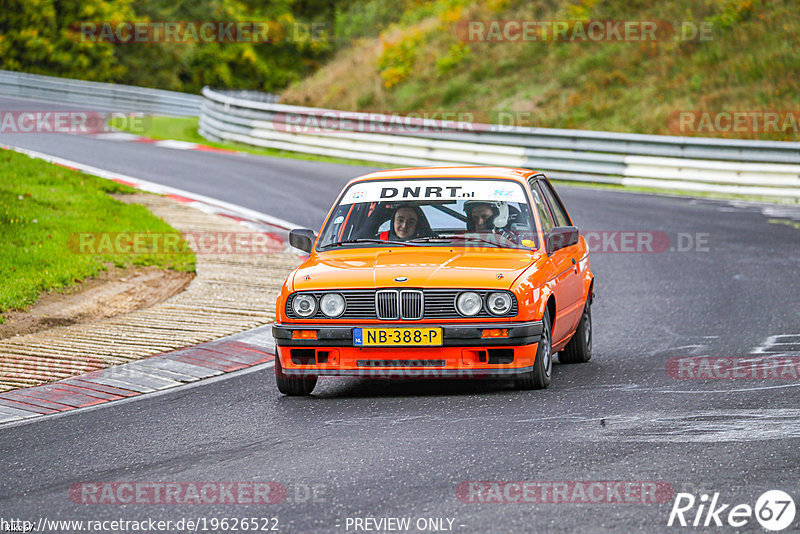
{"points": [[180, 128], [793, 224], [185, 129], [44, 209]]}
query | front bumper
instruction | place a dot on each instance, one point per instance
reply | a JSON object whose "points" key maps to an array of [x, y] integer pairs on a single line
{"points": [[454, 335], [463, 353]]}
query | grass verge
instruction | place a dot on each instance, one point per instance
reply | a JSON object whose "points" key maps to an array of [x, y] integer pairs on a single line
{"points": [[43, 207]]}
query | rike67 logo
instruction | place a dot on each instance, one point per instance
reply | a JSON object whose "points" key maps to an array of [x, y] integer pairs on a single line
{"points": [[774, 510]]}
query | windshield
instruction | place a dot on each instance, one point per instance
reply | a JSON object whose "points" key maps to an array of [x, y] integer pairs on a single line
{"points": [[432, 212]]}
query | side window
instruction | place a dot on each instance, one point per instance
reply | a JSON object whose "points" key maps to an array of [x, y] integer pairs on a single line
{"points": [[560, 214], [544, 215]]}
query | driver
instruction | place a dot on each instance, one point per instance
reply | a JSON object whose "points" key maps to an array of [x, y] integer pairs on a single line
{"points": [[484, 216]]}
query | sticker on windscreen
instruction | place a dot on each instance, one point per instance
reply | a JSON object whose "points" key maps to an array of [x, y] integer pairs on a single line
{"points": [[432, 190]]}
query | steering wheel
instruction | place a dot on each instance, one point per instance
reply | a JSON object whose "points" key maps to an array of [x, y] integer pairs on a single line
{"points": [[507, 234]]}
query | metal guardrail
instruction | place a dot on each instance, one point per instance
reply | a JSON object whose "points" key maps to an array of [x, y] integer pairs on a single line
{"points": [[100, 96], [764, 168]]}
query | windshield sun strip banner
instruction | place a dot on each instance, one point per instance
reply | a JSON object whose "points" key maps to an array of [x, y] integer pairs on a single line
{"points": [[434, 190]]}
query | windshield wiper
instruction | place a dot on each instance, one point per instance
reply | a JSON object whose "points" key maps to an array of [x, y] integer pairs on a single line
{"points": [[368, 240], [450, 237]]}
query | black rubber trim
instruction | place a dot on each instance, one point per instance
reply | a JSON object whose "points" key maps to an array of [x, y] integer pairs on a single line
{"points": [[460, 335], [410, 372], [400, 363]]}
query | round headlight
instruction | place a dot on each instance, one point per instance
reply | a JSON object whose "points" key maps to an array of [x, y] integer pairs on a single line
{"points": [[304, 305], [332, 304], [499, 303], [469, 303]]}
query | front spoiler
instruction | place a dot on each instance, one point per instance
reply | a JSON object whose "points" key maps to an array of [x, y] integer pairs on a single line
{"points": [[454, 335], [410, 372]]}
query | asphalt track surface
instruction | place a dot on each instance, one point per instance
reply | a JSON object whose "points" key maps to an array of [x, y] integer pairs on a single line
{"points": [[401, 448]]}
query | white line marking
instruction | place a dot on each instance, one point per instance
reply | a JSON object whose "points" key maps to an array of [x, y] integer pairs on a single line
{"points": [[115, 136], [765, 345], [6, 417], [37, 417], [153, 187], [736, 390], [177, 145]]}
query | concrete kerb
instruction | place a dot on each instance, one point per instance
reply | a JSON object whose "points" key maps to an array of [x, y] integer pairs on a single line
{"points": [[217, 300]]}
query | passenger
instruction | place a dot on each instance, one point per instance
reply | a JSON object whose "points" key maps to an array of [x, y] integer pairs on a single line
{"points": [[408, 222]]}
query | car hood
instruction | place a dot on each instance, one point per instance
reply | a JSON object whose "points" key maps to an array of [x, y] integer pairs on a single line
{"points": [[424, 267]]}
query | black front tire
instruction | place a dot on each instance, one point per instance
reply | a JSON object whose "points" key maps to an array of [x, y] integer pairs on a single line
{"points": [[294, 387], [539, 377], [579, 348]]}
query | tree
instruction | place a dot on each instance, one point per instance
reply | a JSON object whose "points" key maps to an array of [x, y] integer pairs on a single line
{"points": [[41, 36]]}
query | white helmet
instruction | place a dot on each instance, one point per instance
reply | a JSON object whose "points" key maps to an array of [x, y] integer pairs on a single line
{"points": [[499, 209]]}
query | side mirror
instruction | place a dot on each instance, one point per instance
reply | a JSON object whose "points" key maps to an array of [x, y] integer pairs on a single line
{"points": [[303, 239], [561, 237]]}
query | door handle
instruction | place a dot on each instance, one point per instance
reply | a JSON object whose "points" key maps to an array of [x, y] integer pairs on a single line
{"points": [[575, 265]]}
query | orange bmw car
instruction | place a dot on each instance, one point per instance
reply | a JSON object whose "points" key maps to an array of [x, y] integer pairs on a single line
{"points": [[441, 272]]}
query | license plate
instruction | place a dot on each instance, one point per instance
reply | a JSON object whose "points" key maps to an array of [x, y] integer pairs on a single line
{"points": [[397, 337]]}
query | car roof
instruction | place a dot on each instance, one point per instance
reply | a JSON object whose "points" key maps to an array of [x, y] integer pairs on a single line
{"points": [[475, 171]]}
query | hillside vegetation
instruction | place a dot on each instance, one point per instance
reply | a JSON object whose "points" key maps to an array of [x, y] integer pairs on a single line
{"points": [[415, 56], [48, 37]]}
